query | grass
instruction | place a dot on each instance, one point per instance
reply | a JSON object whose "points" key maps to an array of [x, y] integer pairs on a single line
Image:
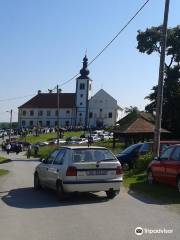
{"points": [[3, 160], [3, 172], [47, 137], [164, 194]]}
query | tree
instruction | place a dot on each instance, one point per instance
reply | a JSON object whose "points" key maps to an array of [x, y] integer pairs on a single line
{"points": [[131, 109], [149, 42]]}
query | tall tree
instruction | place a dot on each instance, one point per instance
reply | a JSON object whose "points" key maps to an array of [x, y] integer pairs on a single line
{"points": [[149, 42]]}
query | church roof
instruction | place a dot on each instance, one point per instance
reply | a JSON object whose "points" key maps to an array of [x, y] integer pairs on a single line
{"points": [[49, 100]]}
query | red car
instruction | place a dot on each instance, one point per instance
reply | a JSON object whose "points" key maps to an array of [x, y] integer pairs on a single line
{"points": [[166, 168]]}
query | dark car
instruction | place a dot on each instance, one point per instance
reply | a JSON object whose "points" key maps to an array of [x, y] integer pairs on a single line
{"points": [[166, 168], [129, 156], [148, 146]]}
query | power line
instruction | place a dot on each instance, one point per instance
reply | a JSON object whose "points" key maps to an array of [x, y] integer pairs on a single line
{"points": [[114, 38], [94, 59]]}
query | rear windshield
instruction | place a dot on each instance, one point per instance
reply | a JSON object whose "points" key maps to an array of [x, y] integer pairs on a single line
{"points": [[92, 155]]}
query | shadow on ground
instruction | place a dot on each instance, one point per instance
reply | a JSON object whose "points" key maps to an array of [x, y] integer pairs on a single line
{"points": [[28, 198], [160, 194]]}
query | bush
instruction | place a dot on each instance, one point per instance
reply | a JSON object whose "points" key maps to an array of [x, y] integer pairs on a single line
{"points": [[143, 161]]}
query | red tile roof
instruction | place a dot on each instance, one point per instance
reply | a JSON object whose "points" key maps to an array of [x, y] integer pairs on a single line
{"points": [[49, 100], [133, 123]]}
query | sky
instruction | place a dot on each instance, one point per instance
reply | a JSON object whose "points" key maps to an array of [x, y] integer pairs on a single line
{"points": [[43, 42]]}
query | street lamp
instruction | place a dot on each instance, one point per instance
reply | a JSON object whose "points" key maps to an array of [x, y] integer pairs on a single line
{"points": [[10, 123]]}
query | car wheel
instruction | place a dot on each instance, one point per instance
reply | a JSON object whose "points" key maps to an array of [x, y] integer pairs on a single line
{"points": [[178, 184], [111, 194], [125, 166], [37, 185], [150, 177], [59, 191]]}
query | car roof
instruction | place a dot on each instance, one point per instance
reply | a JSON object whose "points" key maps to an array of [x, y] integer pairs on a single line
{"points": [[83, 147]]}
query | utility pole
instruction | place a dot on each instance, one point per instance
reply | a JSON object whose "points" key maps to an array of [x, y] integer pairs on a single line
{"points": [[58, 120], [10, 124], [157, 131]]}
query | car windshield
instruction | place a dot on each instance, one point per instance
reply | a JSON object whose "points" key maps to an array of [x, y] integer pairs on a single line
{"points": [[92, 155], [130, 149]]}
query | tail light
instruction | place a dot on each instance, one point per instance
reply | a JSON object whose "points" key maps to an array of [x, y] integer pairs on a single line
{"points": [[119, 170], [71, 171]]}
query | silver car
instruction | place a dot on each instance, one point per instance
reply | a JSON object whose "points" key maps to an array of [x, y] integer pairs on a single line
{"points": [[80, 169]]}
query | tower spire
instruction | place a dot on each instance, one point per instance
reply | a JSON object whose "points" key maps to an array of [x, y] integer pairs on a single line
{"points": [[84, 70]]}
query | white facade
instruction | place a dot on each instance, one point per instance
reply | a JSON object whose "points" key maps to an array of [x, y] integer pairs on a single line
{"points": [[103, 110], [83, 95], [45, 117]]}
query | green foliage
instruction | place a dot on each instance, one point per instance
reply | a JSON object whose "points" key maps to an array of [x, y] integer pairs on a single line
{"points": [[143, 161], [149, 42]]}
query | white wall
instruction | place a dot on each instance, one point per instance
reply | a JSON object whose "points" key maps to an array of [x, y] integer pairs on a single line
{"points": [[63, 116]]}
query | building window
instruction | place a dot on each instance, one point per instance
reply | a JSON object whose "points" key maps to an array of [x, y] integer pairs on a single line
{"points": [[40, 123], [80, 114], [31, 123], [81, 95], [23, 123], [67, 111], [56, 112], [110, 114], [100, 109], [81, 103], [55, 123], [67, 123], [31, 113], [47, 123], [40, 113], [24, 113], [48, 113], [82, 86], [90, 115]]}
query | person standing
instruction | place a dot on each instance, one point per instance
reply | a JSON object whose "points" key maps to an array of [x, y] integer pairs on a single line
{"points": [[29, 151], [8, 148]]}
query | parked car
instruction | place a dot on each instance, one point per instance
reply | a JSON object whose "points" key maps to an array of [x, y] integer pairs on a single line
{"points": [[80, 169], [148, 146], [166, 168], [129, 155]]}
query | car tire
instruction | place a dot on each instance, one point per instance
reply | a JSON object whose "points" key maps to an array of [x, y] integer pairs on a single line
{"points": [[111, 194], [178, 184], [59, 191], [150, 177], [37, 184], [125, 167]]}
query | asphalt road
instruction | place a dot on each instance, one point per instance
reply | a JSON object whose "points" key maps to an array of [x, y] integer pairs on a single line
{"points": [[26, 214]]}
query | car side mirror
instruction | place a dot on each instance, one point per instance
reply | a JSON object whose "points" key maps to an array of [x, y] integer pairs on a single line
{"points": [[43, 160]]}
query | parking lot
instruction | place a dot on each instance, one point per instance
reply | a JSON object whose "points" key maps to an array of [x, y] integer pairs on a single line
{"points": [[26, 214]]}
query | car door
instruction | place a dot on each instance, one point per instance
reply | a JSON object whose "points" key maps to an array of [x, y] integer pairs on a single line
{"points": [[55, 170], [172, 166], [158, 166], [45, 166]]}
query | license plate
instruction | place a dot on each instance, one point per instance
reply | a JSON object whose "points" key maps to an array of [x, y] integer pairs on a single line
{"points": [[96, 172]]}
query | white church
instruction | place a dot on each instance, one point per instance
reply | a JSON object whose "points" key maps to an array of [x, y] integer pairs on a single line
{"points": [[79, 109]]}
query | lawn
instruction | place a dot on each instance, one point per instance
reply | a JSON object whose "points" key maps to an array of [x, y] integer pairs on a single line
{"points": [[3, 160], [163, 194], [3, 172], [47, 137]]}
